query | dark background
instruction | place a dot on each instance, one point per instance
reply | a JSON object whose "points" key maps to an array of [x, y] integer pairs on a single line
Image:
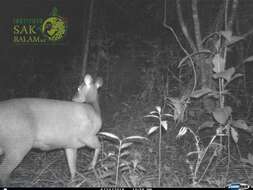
{"points": [[127, 39], [38, 64], [136, 57]]}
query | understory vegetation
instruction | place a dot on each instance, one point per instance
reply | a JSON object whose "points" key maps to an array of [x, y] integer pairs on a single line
{"points": [[176, 109]]}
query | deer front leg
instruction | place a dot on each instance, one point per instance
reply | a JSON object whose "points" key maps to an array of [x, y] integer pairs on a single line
{"points": [[93, 142], [71, 158]]}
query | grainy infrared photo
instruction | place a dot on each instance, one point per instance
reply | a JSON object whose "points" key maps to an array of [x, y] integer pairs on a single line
{"points": [[126, 93]]}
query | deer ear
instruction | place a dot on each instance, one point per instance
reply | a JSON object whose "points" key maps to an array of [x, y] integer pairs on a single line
{"points": [[87, 79], [99, 82]]}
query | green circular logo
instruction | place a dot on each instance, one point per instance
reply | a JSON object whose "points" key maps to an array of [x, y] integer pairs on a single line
{"points": [[54, 28]]}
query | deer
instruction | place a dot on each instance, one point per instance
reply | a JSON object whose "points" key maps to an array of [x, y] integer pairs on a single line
{"points": [[49, 124]]}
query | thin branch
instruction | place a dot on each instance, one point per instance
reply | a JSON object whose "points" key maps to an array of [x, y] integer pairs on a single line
{"points": [[180, 44], [174, 76], [183, 26], [204, 51], [209, 36], [233, 14], [218, 21], [195, 16], [87, 40], [226, 14], [171, 29], [247, 34]]}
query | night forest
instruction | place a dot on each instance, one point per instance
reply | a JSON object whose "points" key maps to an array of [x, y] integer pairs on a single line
{"points": [[161, 91]]}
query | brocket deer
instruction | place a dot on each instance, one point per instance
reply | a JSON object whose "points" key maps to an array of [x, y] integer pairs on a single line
{"points": [[47, 124]]}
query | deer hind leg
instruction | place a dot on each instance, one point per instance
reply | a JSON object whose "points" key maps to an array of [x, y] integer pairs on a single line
{"points": [[93, 142], [12, 157], [71, 158]]}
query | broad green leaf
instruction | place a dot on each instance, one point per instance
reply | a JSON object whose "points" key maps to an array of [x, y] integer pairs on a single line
{"points": [[234, 135], [125, 145], [124, 164], [221, 115], [109, 135], [154, 116], [152, 129], [230, 39], [125, 153], [236, 76], [227, 34], [169, 115], [234, 39], [227, 74], [206, 124], [241, 124], [158, 108], [136, 138], [249, 59], [201, 92], [218, 63], [164, 124]]}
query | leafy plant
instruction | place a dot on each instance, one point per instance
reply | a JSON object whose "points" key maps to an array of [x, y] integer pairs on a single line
{"points": [[222, 115], [162, 124], [120, 156]]}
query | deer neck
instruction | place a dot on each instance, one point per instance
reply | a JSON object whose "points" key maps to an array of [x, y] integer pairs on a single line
{"points": [[96, 107]]}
